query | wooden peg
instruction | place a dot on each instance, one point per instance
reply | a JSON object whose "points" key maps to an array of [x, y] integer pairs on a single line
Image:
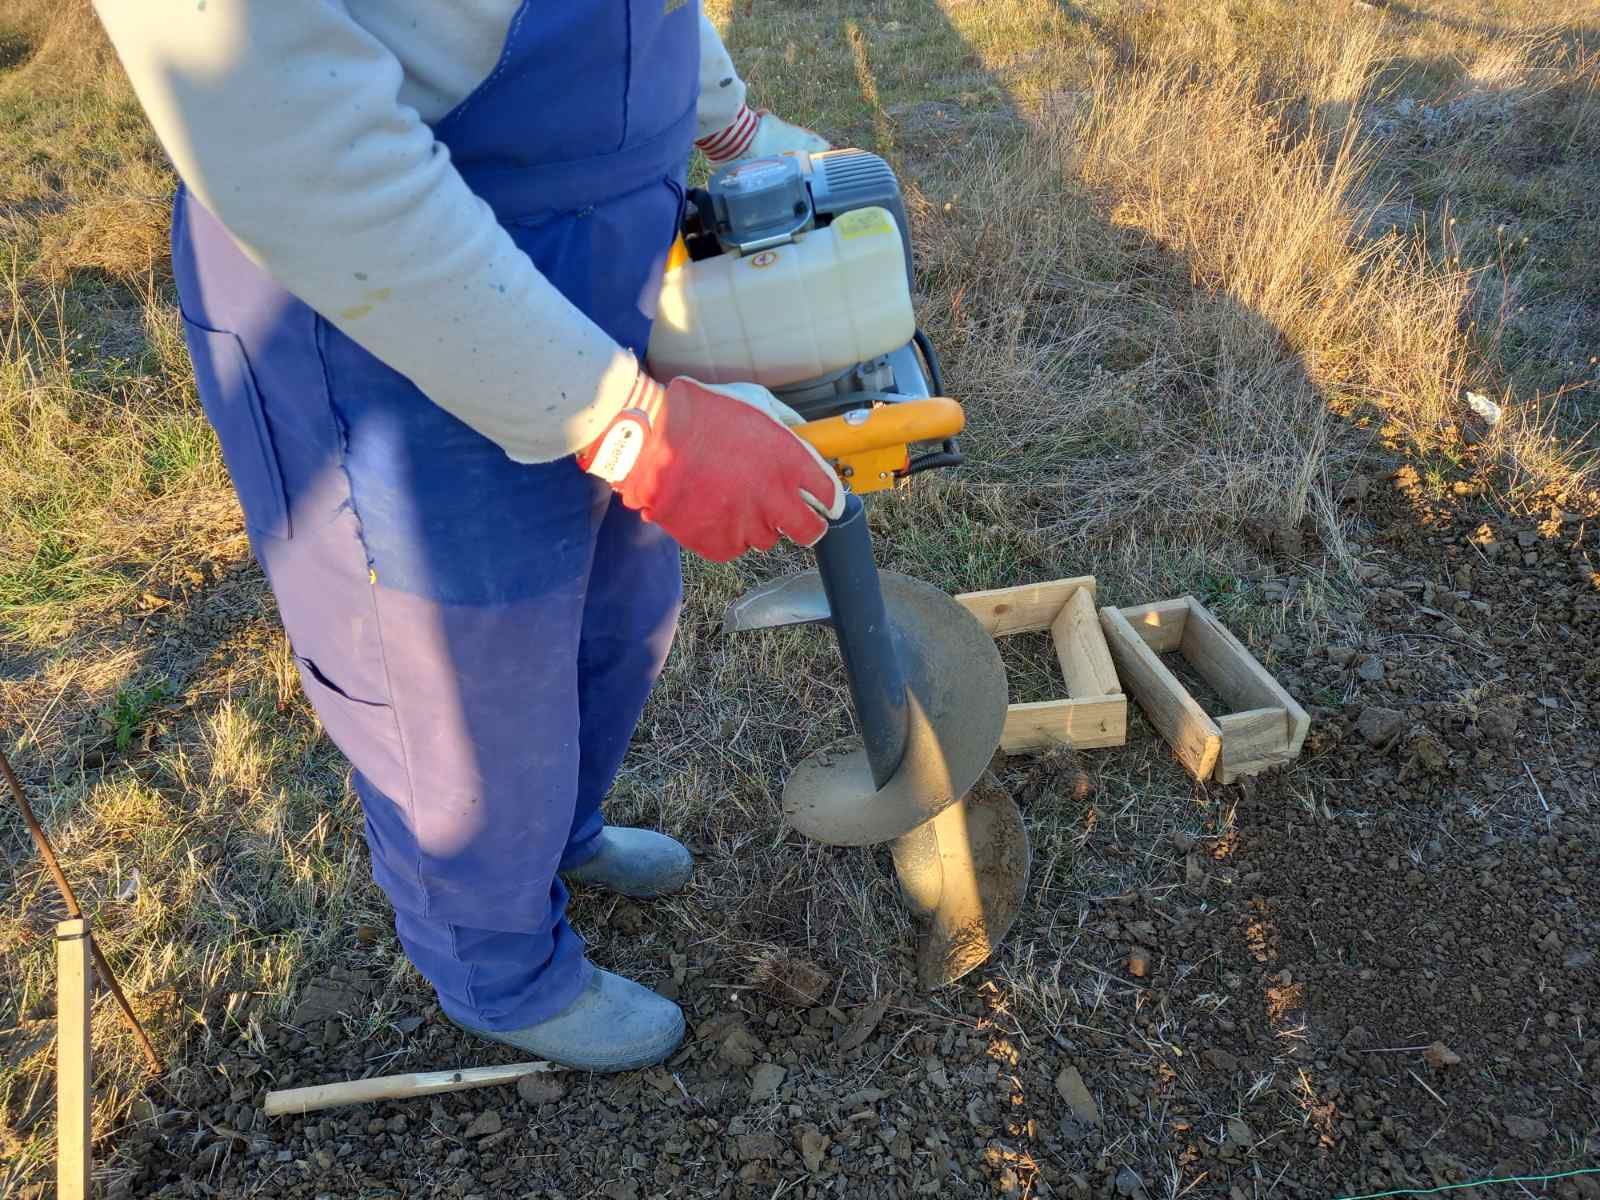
{"points": [[74, 1079]]}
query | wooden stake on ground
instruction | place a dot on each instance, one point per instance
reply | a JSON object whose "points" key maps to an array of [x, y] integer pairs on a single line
{"points": [[74, 1081], [294, 1101]]}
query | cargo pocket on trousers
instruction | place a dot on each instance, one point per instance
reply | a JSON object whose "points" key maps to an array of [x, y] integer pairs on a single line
{"points": [[233, 406], [364, 729]]}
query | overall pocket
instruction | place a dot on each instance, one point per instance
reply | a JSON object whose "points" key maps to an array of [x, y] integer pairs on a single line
{"points": [[233, 406]]}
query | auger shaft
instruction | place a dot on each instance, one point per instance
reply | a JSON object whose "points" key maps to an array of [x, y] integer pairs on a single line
{"points": [[866, 639], [876, 673]]}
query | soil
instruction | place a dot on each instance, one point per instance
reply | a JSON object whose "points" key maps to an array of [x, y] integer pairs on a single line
{"points": [[1374, 970]]}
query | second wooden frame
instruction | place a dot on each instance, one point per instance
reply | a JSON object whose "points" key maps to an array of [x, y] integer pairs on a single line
{"points": [[1266, 727]]}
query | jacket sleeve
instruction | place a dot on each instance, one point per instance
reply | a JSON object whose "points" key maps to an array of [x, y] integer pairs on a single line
{"points": [[283, 118], [722, 92]]}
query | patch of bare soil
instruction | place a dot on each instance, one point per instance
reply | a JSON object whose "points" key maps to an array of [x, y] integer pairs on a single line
{"points": [[1413, 965], [1375, 970]]}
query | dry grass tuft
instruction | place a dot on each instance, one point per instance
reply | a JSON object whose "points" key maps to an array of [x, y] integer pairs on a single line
{"points": [[64, 40], [124, 236], [110, 478]]}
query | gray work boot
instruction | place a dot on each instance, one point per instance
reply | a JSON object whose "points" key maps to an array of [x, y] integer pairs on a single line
{"points": [[635, 862], [613, 1025]]}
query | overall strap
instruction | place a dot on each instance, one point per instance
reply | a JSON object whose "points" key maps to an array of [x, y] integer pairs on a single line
{"points": [[589, 101]]}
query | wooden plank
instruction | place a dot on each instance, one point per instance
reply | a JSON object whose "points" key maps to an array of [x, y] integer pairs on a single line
{"points": [[1254, 734], [1159, 624], [1081, 648], [74, 1086], [1193, 735], [1243, 683], [1084, 723], [1025, 609]]}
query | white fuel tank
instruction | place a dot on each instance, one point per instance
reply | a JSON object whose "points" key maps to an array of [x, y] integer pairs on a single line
{"points": [[832, 298]]}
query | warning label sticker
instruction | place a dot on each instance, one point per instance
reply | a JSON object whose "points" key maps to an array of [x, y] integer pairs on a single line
{"points": [[863, 222]]}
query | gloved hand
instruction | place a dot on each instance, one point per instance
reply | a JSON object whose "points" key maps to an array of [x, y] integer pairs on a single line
{"points": [[715, 467], [754, 134]]}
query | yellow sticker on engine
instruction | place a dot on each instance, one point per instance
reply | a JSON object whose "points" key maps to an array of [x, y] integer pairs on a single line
{"points": [[863, 222]]}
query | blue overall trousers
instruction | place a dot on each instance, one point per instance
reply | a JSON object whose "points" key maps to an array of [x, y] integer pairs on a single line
{"points": [[478, 636]]}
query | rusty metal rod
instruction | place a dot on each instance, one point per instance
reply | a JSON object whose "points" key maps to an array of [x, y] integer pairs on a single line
{"points": [[74, 912]]}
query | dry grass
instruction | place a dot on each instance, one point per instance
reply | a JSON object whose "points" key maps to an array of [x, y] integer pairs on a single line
{"points": [[124, 237], [1164, 289], [109, 478], [1186, 265]]}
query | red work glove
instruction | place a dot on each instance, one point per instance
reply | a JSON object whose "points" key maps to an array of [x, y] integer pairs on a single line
{"points": [[756, 134], [716, 468]]}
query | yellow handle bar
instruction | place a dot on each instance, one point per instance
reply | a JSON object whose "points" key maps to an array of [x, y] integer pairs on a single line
{"points": [[869, 447], [929, 420]]}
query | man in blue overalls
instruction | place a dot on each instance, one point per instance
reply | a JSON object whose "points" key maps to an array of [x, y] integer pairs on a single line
{"points": [[417, 248]]}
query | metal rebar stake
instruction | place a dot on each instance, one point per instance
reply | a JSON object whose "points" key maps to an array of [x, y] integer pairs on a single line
{"points": [[74, 912]]}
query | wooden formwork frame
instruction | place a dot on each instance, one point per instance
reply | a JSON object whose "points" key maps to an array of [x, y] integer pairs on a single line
{"points": [[1266, 726], [1095, 714]]}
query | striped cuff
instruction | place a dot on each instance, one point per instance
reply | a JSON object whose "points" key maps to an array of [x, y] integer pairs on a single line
{"points": [[643, 400], [728, 144], [647, 396]]}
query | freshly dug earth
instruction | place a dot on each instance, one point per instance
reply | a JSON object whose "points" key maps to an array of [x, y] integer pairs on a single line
{"points": [[1376, 969]]}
